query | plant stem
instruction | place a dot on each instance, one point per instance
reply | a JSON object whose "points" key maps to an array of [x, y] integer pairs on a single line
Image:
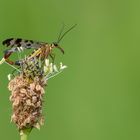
{"points": [[24, 136], [25, 133]]}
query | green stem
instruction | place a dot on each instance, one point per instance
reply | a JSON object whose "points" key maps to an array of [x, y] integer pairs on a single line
{"points": [[24, 136], [25, 133]]}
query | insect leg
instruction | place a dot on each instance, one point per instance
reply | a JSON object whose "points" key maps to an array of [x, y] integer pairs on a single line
{"points": [[52, 55], [14, 72], [9, 61]]}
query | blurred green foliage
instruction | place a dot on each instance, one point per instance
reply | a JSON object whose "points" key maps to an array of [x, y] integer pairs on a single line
{"points": [[97, 97]]}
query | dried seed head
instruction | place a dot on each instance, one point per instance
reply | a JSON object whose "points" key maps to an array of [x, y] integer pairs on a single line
{"points": [[27, 90], [26, 101]]}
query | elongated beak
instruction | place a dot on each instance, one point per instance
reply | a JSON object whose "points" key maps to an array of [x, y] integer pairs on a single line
{"points": [[60, 49]]}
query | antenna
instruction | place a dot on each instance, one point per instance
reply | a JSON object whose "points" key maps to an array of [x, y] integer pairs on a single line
{"points": [[60, 38], [63, 25]]}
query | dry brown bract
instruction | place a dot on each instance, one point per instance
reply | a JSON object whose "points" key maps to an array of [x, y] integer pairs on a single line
{"points": [[26, 101]]}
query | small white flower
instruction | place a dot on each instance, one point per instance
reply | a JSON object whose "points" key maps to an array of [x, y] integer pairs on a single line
{"points": [[55, 68], [9, 77], [51, 68], [47, 62], [62, 66]]}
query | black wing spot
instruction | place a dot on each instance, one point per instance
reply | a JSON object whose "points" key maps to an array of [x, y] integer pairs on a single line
{"points": [[18, 41], [7, 41], [32, 41], [28, 44]]}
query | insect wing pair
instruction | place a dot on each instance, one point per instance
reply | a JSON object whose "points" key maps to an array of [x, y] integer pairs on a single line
{"points": [[42, 49]]}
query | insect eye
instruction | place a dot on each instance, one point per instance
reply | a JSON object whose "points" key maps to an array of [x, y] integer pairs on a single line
{"points": [[55, 44]]}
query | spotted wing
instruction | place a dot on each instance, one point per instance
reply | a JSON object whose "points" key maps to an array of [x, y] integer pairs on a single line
{"points": [[21, 43]]}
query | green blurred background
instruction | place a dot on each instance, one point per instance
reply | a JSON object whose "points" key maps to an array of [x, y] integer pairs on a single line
{"points": [[98, 96]]}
